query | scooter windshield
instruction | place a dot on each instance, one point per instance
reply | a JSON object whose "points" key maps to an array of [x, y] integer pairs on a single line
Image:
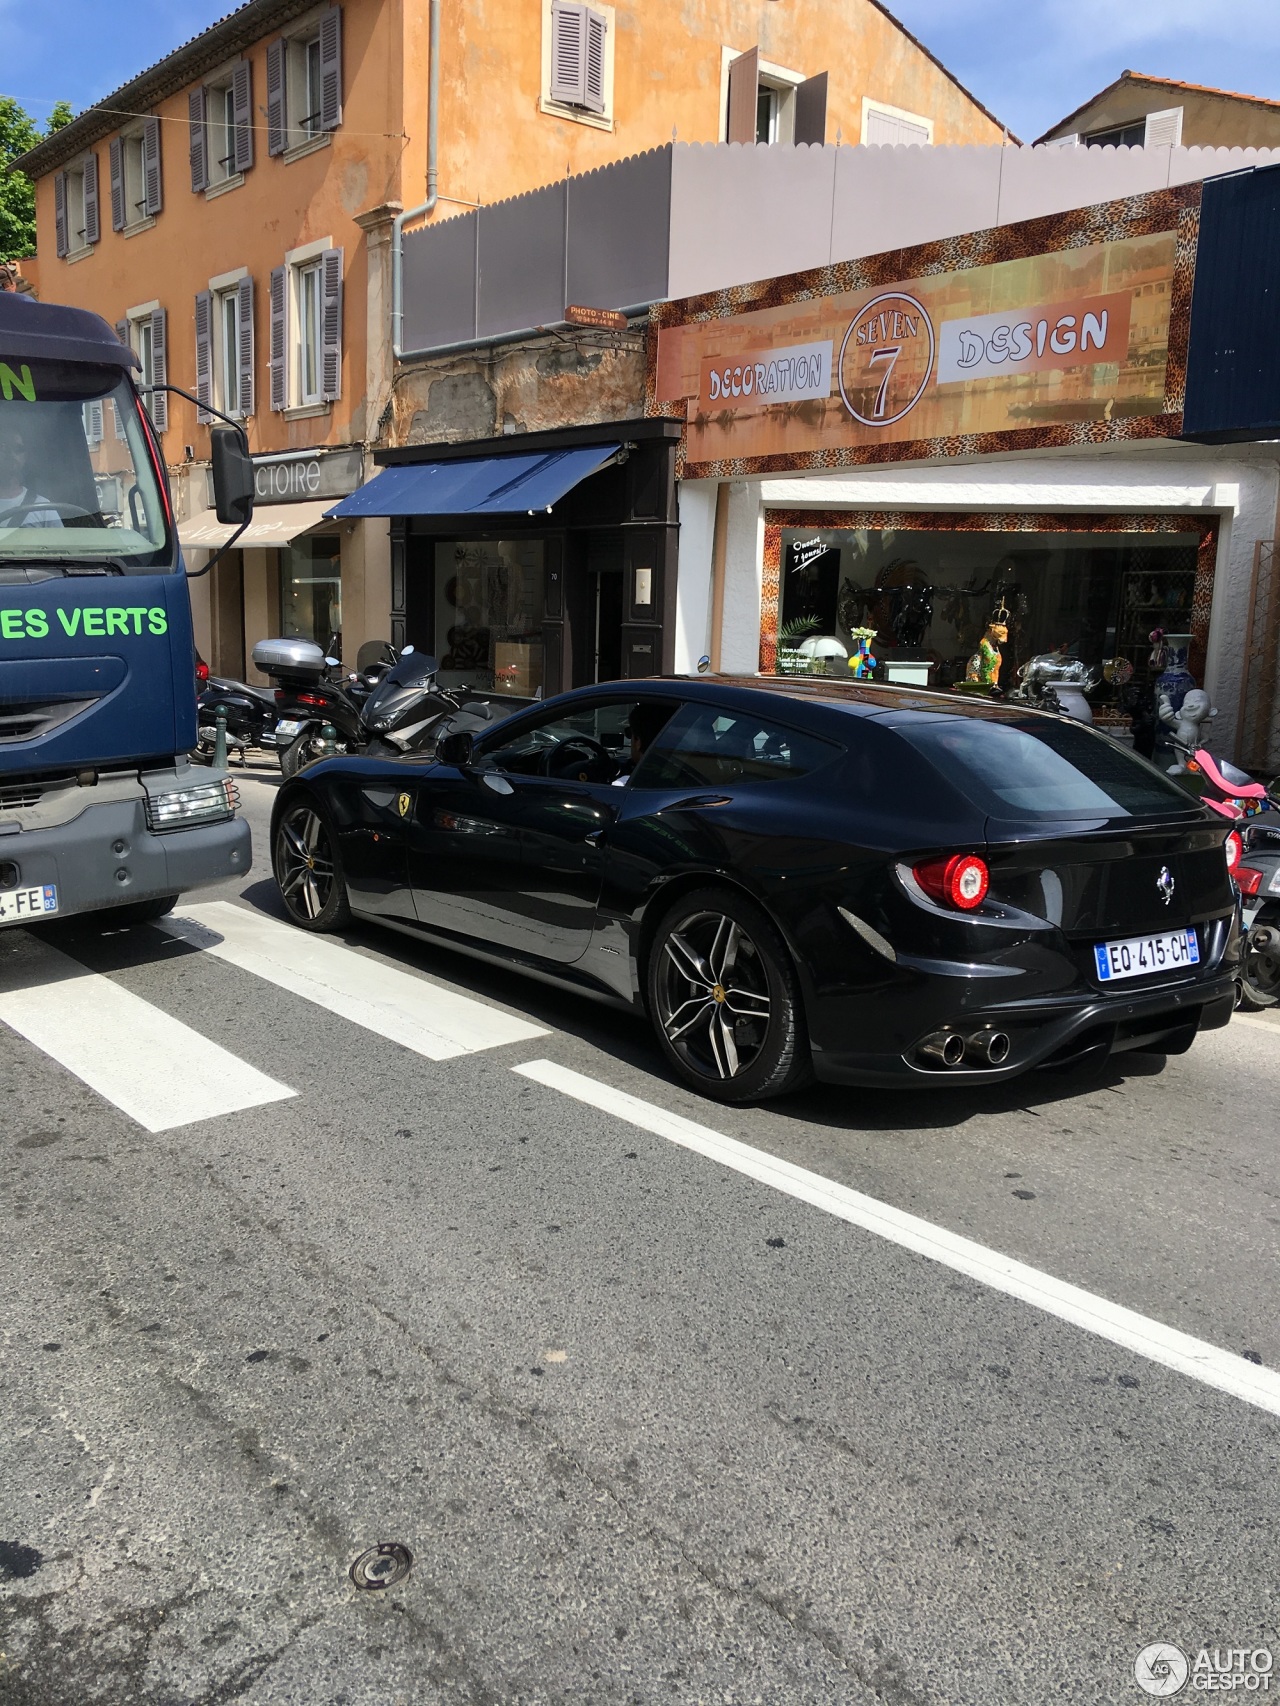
{"points": [[406, 678]]}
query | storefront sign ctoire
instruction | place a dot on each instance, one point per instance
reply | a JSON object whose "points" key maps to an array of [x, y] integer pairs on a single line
{"points": [[1069, 335], [305, 475]]}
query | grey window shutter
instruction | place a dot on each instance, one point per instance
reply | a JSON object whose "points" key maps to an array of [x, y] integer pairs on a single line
{"points": [[275, 98], [116, 155], [811, 110], [744, 88], [593, 63], [244, 355], [60, 213], [92, 223], [197, 115], [122, 332], [279, 372], [568, 52], [93, 422], [153, 188], [331, 68], [242, 115], [204, 354], [158, 402], [331, 325]]}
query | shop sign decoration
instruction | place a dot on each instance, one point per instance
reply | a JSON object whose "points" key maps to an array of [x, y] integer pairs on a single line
{"points": [[1071, 329]]}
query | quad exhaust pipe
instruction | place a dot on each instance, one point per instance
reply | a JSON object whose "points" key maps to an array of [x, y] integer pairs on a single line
{"points": [[979, 1049]]}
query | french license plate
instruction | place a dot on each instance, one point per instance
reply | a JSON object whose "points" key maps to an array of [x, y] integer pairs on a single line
{"points": [[287, 726], [17, 904], [1139, 956]]}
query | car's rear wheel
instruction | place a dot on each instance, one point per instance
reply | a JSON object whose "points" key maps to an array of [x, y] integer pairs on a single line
{"points": [[725, 1000], [308, 867]]}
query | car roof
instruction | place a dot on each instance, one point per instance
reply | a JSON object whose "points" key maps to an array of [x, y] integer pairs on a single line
{"points": [[856, 698]]}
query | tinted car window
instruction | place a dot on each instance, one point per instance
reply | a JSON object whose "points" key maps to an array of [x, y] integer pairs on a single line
{"points": [[1043, 768], [568, 743], [704, 745]]}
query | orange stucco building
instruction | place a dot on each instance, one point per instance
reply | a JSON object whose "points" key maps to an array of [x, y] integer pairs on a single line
{"points": [[230, 210]]}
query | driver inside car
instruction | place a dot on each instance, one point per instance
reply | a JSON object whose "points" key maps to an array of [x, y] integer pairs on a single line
{"points": [[644, 725]]}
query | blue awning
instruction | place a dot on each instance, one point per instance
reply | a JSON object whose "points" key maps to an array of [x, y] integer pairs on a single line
{"points": [[477, 485]]}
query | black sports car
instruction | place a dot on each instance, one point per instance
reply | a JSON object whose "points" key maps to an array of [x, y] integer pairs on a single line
{"points": [[869, 884]]}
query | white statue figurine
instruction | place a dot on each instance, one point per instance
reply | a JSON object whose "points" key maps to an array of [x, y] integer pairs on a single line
{"points": [[1186, 723]]}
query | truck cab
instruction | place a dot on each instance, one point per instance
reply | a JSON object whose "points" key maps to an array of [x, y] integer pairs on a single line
{"points": [[99, 806]]}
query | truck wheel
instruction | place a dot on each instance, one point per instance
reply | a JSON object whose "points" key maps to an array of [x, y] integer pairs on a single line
{"points": [[137, 912]]}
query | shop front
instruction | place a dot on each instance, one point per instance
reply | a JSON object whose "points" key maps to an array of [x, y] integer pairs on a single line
{"points": [[535, 563], [964, 465]]}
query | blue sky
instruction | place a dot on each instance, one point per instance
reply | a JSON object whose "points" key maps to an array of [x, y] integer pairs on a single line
{"points": [[1030, 61]]}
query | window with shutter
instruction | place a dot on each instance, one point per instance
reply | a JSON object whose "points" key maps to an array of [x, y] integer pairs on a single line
{"points": [[92, 227], [92, 413], [122, 332], [116, 158], [244, 350], [811, 111], [331, 326], [60, 214], [885, 129], [331, 68], [204, 354], [744, 97], [158, 402], [153, 189], [568, 52], [275, 102], [242, 114], [593, 91], [1163, 130], [279, 329], [199, 139]]}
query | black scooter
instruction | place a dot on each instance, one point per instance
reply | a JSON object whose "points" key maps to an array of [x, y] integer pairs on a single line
{"points": [[317, 711], [250, 716]]}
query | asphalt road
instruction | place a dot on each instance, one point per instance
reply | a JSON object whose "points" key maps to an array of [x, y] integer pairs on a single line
{"points": [[658, 1421]]}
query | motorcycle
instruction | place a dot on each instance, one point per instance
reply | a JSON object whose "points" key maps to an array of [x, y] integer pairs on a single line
{"points": [[250, 717], [317, 711]]}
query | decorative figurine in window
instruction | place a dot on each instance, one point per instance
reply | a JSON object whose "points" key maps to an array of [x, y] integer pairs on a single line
{"points": [[862, 663], [1185, 720]]}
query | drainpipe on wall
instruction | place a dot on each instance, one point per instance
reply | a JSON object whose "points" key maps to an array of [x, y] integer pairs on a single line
{"points": [[429, 205]]}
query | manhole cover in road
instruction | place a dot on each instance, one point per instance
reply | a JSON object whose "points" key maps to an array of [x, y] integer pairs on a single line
{"points": [[382, 1566]]}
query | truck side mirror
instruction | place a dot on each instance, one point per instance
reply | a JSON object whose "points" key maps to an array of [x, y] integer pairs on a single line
{"points": [[232, 475]]}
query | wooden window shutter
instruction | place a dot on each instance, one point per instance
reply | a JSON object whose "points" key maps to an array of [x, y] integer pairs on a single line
{"points": [[115, 153], [275, 98], [568, 52], [204, 354], [242, 115], [593, 75], [744, 87], [331, 325], [244, 354], [92, 223], [153, 187], [811, 111], [279, 327], [331, 68], [60, 213], [1164, 129], [197, 109], [122, 332], [158, 401]]}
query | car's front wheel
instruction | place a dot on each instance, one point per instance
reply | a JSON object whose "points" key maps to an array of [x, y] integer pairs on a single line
{"points": [[725, 1000], [308, 867]]}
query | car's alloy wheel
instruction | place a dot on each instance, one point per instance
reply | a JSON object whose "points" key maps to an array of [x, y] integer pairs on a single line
{"points": [[308, 870], [724, 999]]}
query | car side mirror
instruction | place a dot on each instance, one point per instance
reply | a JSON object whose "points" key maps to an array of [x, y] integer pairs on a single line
{"points": [[457, 748], [232, 475]]}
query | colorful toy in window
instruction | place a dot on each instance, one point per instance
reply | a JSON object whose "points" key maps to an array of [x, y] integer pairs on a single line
{"points": [[862, 663], [984, 665]]}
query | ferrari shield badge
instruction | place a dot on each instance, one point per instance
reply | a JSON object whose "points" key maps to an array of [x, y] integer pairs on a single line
{"points": [[403, 804]]}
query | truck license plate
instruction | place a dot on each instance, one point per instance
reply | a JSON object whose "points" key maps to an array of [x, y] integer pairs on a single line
{"points": [[1139, 956], [17, 904]]}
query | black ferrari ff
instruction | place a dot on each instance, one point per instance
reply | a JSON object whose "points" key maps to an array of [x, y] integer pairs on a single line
{"points": [[796, 877]]}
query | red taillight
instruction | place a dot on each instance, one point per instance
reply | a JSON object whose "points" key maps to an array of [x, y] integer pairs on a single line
{"points": [[202, 671], [1247, 880], [1233, 847], [960, 881], [312, 699]]}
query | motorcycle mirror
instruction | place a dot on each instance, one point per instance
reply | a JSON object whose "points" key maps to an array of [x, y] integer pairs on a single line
{"points": [[333, 662], [456, 748], [405, 650]]}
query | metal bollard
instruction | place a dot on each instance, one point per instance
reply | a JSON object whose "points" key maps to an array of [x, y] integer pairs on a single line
{"points": [[220, 739]]}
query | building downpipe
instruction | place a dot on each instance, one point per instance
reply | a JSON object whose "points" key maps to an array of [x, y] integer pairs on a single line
{"points": [[428, 207]]}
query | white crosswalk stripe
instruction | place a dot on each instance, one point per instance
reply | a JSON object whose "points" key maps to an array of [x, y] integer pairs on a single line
{"points": [[407, 1009], [148, 1064]]}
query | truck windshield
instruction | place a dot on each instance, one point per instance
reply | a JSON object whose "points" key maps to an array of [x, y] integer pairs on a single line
{"points": [[78, 490]]}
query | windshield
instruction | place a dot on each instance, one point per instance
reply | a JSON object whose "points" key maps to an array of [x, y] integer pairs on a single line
{"points": [[1043, 767], [77, 485]]}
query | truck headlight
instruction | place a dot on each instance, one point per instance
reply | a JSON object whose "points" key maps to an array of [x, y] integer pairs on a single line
{"points": [[210, 802]]}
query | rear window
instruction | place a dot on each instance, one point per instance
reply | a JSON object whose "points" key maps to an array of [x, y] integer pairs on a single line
{"points": [[704, 745], [1043, 768]]}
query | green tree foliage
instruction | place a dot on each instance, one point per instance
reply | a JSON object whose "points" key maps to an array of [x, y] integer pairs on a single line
{"points": [[18, 132]]}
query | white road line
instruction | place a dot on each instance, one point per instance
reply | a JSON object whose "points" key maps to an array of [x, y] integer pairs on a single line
{"points": [[410, 1010], [151, 1066], [1225, 1370]]}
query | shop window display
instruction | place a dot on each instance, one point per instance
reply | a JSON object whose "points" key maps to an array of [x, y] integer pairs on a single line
{"points": [[489, 599], [311, 589], [987, 610]]}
